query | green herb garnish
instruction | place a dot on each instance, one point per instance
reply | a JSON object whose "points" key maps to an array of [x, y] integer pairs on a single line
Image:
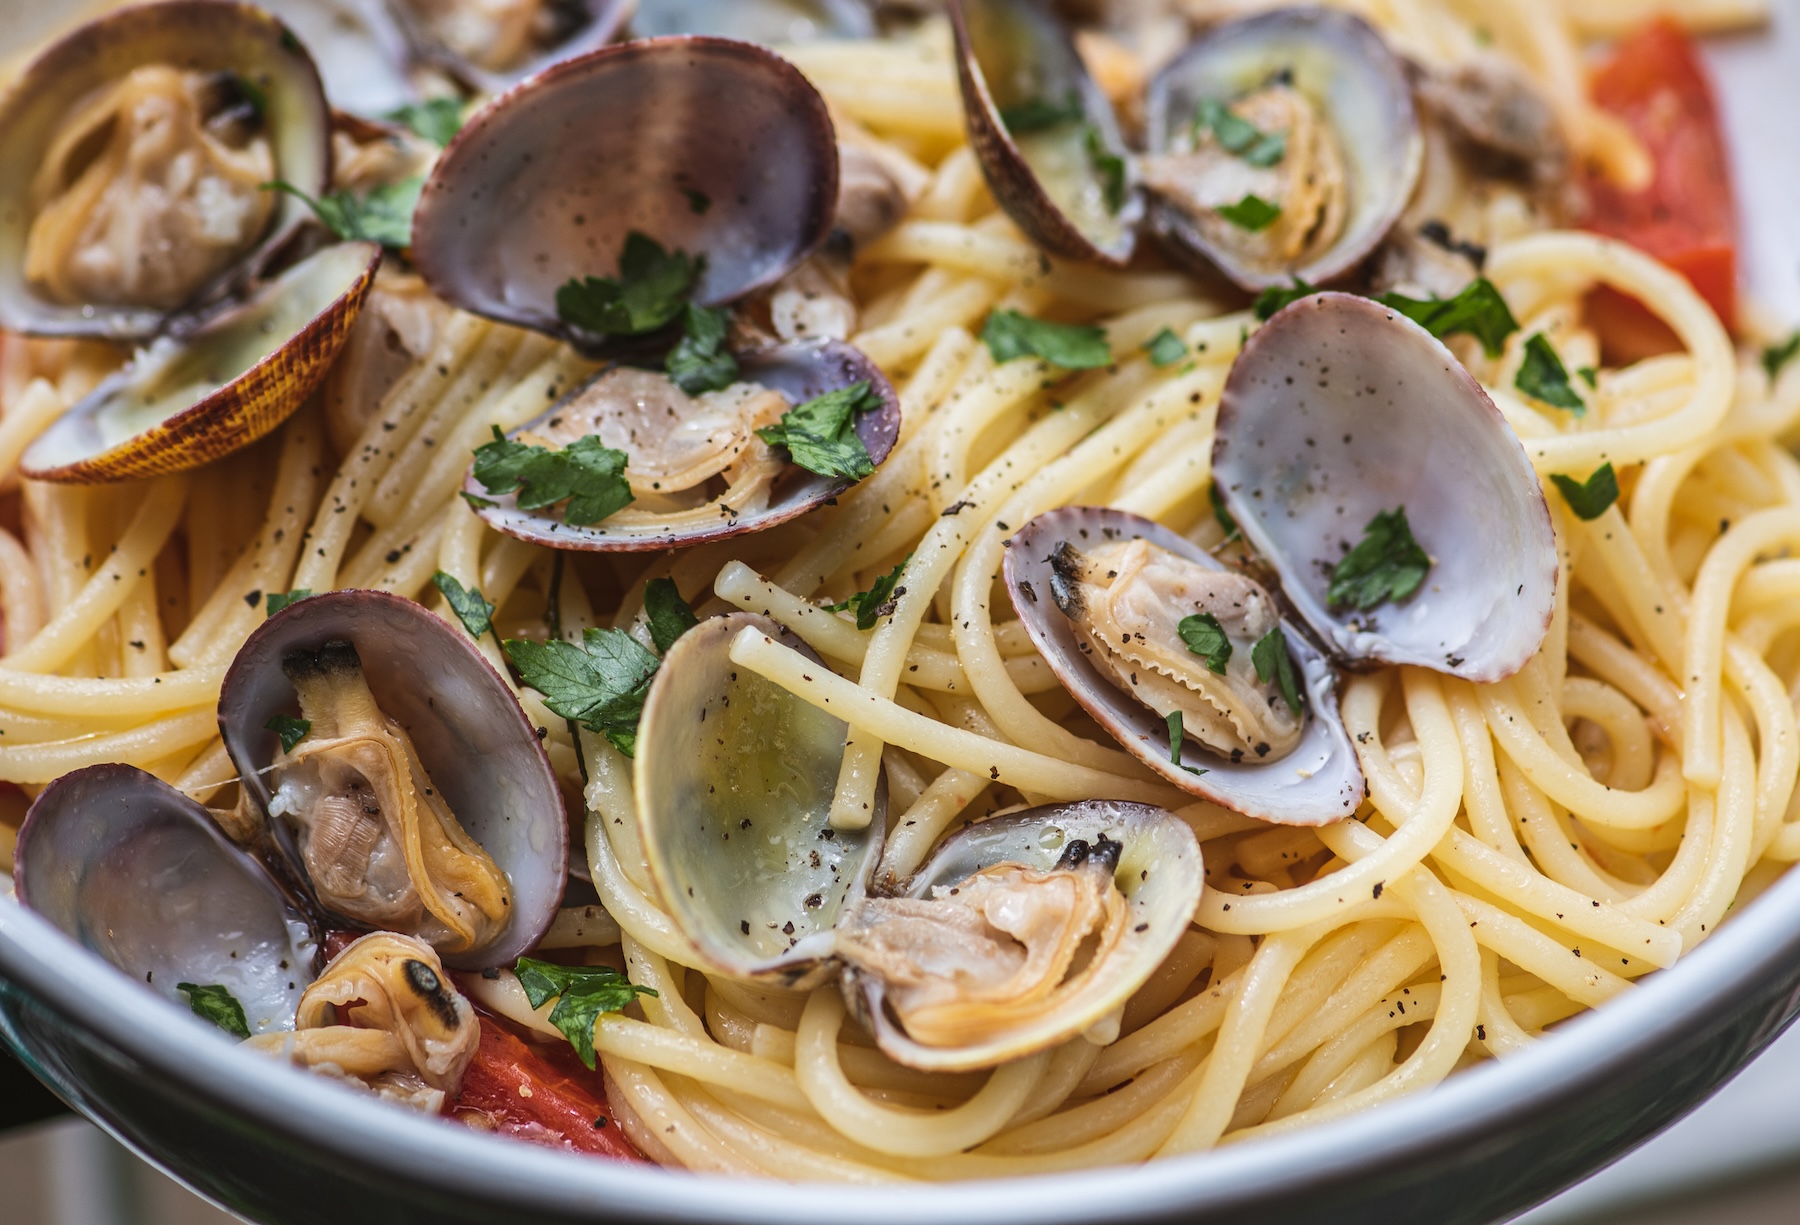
{"points": [[275, 601], [1589, 375], [217, 1005], [437, 120], [1252, 213], [647, 295], [290, 730], [1386, 564], [385, 215], [1478, 310], [1275, 298], [669, 615], [469, 605], [1175, 735], [877, 601], [701, 362], [1109, 166], [1041, 114], [587, 473], [1206, 638], [1008, 335], [1776, 356], [821, 435], [600, 684], [1165, 349], [1270, 655], [1221, 514], [1589, 499], [581, 993], [1542, 377], [1240, 137]]}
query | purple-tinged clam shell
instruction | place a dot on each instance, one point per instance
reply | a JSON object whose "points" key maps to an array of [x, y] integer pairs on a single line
{"points": [[588, 26], [1318, 781], [1340, 409], [755, 21]]}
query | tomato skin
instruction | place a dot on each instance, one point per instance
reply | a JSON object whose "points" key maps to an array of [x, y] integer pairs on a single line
{"points": [[1686, 216], [540, 1094]]}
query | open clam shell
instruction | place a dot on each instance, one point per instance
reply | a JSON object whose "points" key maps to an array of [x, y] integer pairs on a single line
{"points": [[203, 36], [1043, 130], [755, 21], [140, 874], [1340, 409], [473, 740], [493, 51], [1154, 862], [186, 400], [1358, 90], [710, 147], [1317, 782], [360, 49], [735, 779], [800, 371]]}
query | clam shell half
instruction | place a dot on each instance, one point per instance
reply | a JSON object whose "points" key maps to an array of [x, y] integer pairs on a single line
{"points": [[756, 21]]}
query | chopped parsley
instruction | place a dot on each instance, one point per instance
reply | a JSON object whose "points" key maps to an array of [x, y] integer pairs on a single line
{"points": [[1252, 213], [1042, 114], [1176, 732], [1543, 377], [217, 1005], [1206, 638], [437, 120], [275, 601], [1273, 663], [701, 362], [1109, 166], [469, 605], [1589, 375], [587, 474], [668, 614], [291, 730], [1386, 564], [646, 296], [1589, 499], [1165, 349], [877, 601], [1009, 335], [581, 993], [1221, 514], [600, 684], [385, 215], [821, 435], [1240, 137], [1478, 310], [1274, 298], [1776, 356]]}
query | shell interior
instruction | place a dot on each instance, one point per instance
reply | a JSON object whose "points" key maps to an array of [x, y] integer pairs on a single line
{"points": [[735, 779], [494, 46], [1319, 781], [1339, 409], [139, 873], [755, 21], [475, 742], [361, 52]]}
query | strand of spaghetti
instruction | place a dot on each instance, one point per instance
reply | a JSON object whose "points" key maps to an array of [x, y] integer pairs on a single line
{"points": [[21, 600], [662, 1128], [1568, 970], [1091, 1120], [145, 653], [751, 1129], [1617, 18], [1734, 832], [1496, 1028], [43, 763], [918, 828], [889, 722], [1482, 798], [1632, 751], [896, 345], [135, 696], [1633, 674], [27, 417], [1383, 969]]}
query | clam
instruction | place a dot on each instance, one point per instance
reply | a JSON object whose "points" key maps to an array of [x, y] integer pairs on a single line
{"points": [[139, 873], [1020, 932], [1044, 132], [1280, 146], [362, 53], [755, 21], [1340, 412], [493, 44], [390, 771], [734, 780], [1104, 596]]}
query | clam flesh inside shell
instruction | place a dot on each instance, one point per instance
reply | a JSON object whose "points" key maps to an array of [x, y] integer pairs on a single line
{"points": [[492, 44], [1281, 146], [1187, 663], [1021, 932], [755, 21]]}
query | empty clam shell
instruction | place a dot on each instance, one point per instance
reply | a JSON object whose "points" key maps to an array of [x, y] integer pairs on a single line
{"points": [[710, 147], [139, 873], [1339, 410], [1325, 86], [248, 55], [918, 958], [735, 779], [477, 748], [755, 21], [187, 400], [1318, 780], [1044, 132], [800, 371]]}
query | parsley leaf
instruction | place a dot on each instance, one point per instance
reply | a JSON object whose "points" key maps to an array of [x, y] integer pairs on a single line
{"points": [[1542, 377], [581, 993], [1222, 515], [1240, 137], [385, 215], [1252, 213], [217, 1005], [1206, 637], [1270, 655], [437, 120], [1589, 499], [821, 435], [1008, 334], [275, 601], [1039, 114], [1165, 349], [1478, 310], [1176, 732], [1776, 356], [877, 601], [601, 684], [1386, 564], [1589, 375], [469, 605], [291, 730], [1275, 298], [1109, 166], [587, 473], [701, 362], [669, 615], [646, 296]]}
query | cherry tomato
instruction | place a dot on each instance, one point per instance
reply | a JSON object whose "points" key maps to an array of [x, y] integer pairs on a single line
{"points": [[538, 1093]]}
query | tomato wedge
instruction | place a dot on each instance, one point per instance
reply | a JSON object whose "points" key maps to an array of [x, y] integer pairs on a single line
{"points": [[538, 1093], [1686, 216]]}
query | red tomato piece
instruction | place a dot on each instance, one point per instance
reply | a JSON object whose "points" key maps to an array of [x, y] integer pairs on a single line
{"points": [[538, 1093], [1686, 216]]}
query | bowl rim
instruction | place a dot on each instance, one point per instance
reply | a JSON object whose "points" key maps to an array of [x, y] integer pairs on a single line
{"points": [[366, 1132]]}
